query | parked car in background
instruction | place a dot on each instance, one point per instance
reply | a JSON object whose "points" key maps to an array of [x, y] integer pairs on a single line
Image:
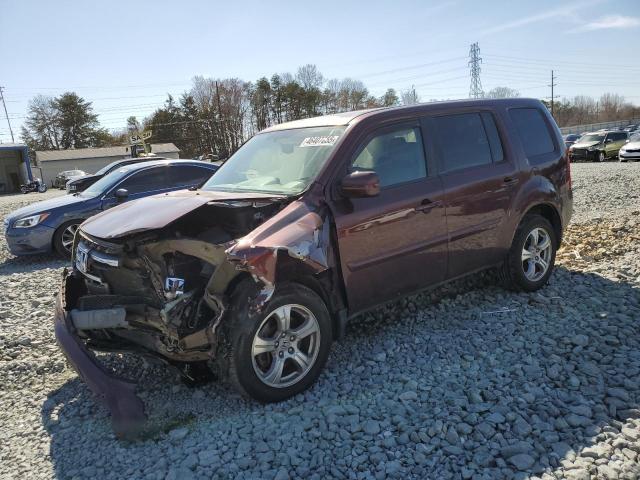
{"points": [[78, 184], [598, 146], [61, 179], [570, 139], [630, 151], [631, 128], [258, 271], [51, 225]]}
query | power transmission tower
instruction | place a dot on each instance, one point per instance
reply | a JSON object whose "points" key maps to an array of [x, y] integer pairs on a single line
{"points": [[6, 114], [475, 91], [553, 84]]}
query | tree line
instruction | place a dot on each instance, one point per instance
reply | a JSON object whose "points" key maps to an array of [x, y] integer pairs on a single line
{"points": [[215, 116]]}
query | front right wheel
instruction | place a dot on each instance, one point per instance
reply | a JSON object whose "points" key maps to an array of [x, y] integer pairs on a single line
{"points": [[532, 255], [278, 352]]}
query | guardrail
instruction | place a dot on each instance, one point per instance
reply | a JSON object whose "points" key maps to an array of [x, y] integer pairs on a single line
{"points": [[592, 127]]}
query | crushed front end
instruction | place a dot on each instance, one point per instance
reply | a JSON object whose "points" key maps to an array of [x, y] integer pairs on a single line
{"points": [[163, 291]]}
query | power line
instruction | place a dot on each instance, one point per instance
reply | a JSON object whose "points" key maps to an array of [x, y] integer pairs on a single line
{"points": [[475, 90], [6, 114], [564, 62]]}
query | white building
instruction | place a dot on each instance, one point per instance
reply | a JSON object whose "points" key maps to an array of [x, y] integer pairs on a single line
{"points": [[90, 160]]}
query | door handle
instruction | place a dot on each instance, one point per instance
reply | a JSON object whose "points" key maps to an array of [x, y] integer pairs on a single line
{"points": [[426, 205]]}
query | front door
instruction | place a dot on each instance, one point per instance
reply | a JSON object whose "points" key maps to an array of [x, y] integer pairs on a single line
{"points": [[141, 183], [396, 242], [479, 182]]}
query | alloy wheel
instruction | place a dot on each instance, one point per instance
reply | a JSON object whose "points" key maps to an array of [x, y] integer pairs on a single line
{"points": [[67, 237], [536, 254], [285, 346]]}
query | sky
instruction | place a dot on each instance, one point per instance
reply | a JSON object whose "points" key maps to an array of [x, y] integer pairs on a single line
{"points": [[126, 56]]}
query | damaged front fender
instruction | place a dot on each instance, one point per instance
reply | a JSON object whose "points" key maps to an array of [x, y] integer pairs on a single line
{"points": [[299, 231]]}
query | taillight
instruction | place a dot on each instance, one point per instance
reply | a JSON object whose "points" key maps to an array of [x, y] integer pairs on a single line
{"points": [[568, 157]]}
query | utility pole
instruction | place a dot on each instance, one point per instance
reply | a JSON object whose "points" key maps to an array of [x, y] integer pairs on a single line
{"points": [[553, 84], [6, 114], [475, 90]]}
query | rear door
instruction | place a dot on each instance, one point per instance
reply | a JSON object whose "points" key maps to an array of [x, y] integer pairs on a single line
{"points": [[615, 141], [479, 181], [396, 242]]}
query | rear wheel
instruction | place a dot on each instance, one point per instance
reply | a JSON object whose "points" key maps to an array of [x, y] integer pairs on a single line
{"points": [[42, 187], [63, 238], [530, 260], [278, 352]]}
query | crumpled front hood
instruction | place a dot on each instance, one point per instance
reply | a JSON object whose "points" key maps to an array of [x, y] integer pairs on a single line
{"points": [[46, 206], [585, 144], [157, 211]]}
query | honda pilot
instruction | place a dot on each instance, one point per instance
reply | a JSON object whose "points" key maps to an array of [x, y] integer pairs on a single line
{"points": [[310, 223]]}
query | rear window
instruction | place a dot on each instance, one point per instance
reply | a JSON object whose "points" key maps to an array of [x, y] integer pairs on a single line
{"points": [[533, 131]]}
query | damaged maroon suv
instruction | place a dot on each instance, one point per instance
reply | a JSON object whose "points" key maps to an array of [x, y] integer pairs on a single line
{"points": [[252, 276]]}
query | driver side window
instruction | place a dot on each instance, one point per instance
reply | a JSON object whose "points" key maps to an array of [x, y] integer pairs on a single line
{"points": [[397, 156], [146, 180]]}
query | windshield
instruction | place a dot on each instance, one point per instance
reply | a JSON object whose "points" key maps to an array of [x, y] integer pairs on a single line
{"points": [[106, 168], [282, 162], [595, 137], [105, 183]]}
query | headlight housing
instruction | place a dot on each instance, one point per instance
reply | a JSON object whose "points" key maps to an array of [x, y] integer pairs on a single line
{"points": [[30, 221]]}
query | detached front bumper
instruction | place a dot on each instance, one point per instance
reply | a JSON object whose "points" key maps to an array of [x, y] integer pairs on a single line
{"points": [[116, 394]]}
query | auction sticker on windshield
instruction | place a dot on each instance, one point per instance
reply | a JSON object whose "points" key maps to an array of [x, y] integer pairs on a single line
{"points": [[321, 141]]}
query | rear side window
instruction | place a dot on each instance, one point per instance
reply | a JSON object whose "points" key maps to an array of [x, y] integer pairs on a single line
{"points": [[188, 175], [462, 141], [397, 156], [533, 131], [616, 137]]}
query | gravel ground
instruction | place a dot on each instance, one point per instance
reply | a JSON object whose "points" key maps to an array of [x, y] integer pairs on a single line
{"points": [[469, 381]]}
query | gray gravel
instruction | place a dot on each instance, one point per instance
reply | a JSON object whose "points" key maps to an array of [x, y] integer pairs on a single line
{"points": [[469, 381]]}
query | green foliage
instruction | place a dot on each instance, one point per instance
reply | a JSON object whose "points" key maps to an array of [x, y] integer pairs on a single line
{"points": [[63, 122]]}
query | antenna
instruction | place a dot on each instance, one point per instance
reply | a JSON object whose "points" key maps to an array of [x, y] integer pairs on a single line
{"points": [[475, 91]]}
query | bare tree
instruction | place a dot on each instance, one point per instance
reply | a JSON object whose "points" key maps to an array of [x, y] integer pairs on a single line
{"points": [[309, 77], [410, 97], [502, 92]]}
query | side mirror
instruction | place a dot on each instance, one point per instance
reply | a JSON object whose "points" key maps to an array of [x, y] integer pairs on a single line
{"points": [[122, 194], [608, 140], [361, 184]]}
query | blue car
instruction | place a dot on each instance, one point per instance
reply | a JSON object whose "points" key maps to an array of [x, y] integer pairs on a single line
{"points": [[51, 224]]}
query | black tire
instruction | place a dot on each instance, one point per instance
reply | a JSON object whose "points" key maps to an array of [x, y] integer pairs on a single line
{"points": [[512, 271], [42, 187], [240, 327], [60, 238], [24, 189]]}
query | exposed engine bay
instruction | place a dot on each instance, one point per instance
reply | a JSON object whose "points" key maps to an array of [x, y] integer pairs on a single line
{"points": [[162, 290]]}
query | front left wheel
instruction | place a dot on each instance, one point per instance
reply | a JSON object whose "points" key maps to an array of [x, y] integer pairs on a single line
{"points": [[280, 351], [63, 237]]}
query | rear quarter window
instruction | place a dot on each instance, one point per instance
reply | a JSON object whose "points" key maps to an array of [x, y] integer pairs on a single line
{"points": [[533, 131]]}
